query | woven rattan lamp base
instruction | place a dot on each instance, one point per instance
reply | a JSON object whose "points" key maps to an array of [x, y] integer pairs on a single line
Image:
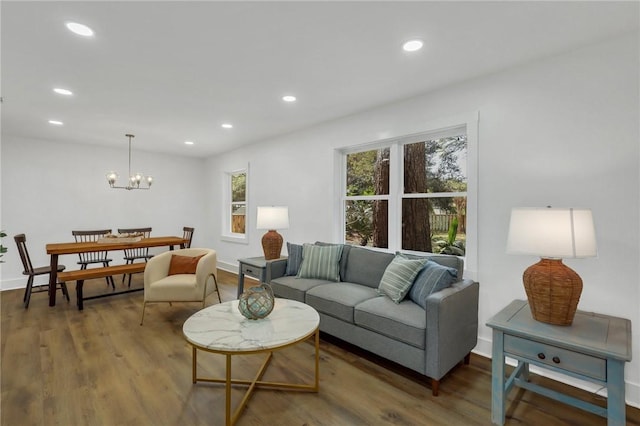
{"points": [[553, 290], [271, 245]]}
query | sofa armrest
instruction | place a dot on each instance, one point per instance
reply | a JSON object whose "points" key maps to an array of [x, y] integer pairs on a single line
{"points": [[276, 268], [452, 326]]}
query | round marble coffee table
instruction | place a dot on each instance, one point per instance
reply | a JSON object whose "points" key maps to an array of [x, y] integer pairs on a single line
{"points": [[223, 330]]}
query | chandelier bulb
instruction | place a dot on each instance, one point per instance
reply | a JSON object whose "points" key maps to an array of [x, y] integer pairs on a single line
{"points": [[134, 179]]}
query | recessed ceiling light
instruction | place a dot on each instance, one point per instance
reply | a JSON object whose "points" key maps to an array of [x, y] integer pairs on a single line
{"points": [[289, 98], [61, 91], [412, 45], [56, 122], [188, 142], [79, 29], [227, 126]]}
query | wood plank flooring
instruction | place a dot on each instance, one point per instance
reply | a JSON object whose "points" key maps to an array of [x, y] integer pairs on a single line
{"points": [[63, 367]]}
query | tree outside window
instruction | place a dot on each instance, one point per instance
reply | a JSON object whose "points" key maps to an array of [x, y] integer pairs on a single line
{"points": [[431, 206], [366, 204], [238, 202]]}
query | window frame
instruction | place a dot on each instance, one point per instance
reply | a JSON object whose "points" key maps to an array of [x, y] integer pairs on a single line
{"points": [[227, 234], [432, 130]]}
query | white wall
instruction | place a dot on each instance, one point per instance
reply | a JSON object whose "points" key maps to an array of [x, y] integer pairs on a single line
{"points": [[562, 131], [49, 189]]}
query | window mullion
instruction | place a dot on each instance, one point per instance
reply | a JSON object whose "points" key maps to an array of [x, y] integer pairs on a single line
{"points": [[395, 197]]}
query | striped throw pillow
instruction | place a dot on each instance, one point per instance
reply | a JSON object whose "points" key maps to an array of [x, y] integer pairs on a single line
{"points": [[398, 277], [320, 262]]}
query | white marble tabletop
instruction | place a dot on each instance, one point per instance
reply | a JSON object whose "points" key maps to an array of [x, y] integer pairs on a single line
{"points": [[223, 328]]}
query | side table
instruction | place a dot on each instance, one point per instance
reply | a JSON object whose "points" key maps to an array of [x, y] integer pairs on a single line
{"points": [[594, 348], [255, 267]]}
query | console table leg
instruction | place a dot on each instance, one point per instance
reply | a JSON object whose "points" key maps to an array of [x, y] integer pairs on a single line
{"points": [[497, 379], [616, 415]]}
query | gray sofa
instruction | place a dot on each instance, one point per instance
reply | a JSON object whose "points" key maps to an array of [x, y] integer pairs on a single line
{"points": [[430, 341]]}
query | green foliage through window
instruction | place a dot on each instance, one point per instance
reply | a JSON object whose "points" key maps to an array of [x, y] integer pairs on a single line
{"points": [[432, 202], [238, 202]]}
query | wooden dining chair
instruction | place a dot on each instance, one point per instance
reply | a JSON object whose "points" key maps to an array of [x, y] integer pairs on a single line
{"points": [[21, 242], [94, 257], [187, 235], [133, 254]]}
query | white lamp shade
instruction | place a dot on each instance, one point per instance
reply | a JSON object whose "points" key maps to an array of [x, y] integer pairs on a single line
{"points": [[273, 217], [552, 232]]}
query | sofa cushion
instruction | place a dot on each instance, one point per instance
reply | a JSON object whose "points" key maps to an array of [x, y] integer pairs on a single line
{"points": [[294, 258], [338, 299], [366, 266], [320, 262], [293, 288], [398, 277], [404, 321], [432, 278]]}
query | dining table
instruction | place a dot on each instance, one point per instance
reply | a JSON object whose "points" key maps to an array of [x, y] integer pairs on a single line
{"points": [[57, 249]]}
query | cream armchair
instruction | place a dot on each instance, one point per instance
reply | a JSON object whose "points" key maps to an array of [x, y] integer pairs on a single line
{"points": [[159, 286]]}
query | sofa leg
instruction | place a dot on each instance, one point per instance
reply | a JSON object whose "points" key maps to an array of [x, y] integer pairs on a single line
{"points": [[467, 358], [434, 387]]}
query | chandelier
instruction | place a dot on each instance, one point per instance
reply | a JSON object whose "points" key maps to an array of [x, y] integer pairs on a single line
{"points": [[134, 178]]}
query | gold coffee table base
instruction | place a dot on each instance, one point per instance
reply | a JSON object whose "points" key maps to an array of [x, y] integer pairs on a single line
{"points": [[256, 382]]}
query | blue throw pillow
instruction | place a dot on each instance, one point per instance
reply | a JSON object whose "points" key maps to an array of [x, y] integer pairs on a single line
{"points": [[294, 259], [399, 276], [432, 278]]}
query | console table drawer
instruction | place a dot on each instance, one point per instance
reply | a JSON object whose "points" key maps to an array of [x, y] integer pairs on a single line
{"points": [[564, 359], [252, 271]]}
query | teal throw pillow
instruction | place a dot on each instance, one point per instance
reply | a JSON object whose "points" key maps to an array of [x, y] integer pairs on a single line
{"points": [[294, 258], [320, 262], [398, 277], [432, 278]]}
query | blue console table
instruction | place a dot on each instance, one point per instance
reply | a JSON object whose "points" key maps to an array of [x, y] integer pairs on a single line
{"points": [[594, 348]]}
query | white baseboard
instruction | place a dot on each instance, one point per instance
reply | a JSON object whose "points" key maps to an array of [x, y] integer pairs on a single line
{"points": [[13, 284], [228, 267], [632, 390]]}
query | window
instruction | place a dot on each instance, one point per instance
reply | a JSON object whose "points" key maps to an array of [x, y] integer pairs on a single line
{"points": [[411, 193], [434, 200], [235, 221]]}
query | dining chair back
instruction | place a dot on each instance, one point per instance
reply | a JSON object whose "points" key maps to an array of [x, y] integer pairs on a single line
{"points": [[21, 242], [133, 254], [94, 257], [187, 235]]}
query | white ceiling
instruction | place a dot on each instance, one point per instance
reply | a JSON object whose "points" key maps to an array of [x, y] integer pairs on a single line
{"points": [[174, 71]]}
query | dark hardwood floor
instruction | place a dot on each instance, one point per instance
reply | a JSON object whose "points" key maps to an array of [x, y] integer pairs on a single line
{"points": [[100, 367]]}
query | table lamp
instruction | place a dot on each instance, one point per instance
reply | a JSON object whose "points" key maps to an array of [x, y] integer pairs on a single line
{"points": [[272, 218], [553, 289]]}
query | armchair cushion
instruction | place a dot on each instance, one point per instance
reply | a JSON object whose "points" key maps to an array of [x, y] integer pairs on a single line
{"points": [[183, 264]]}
